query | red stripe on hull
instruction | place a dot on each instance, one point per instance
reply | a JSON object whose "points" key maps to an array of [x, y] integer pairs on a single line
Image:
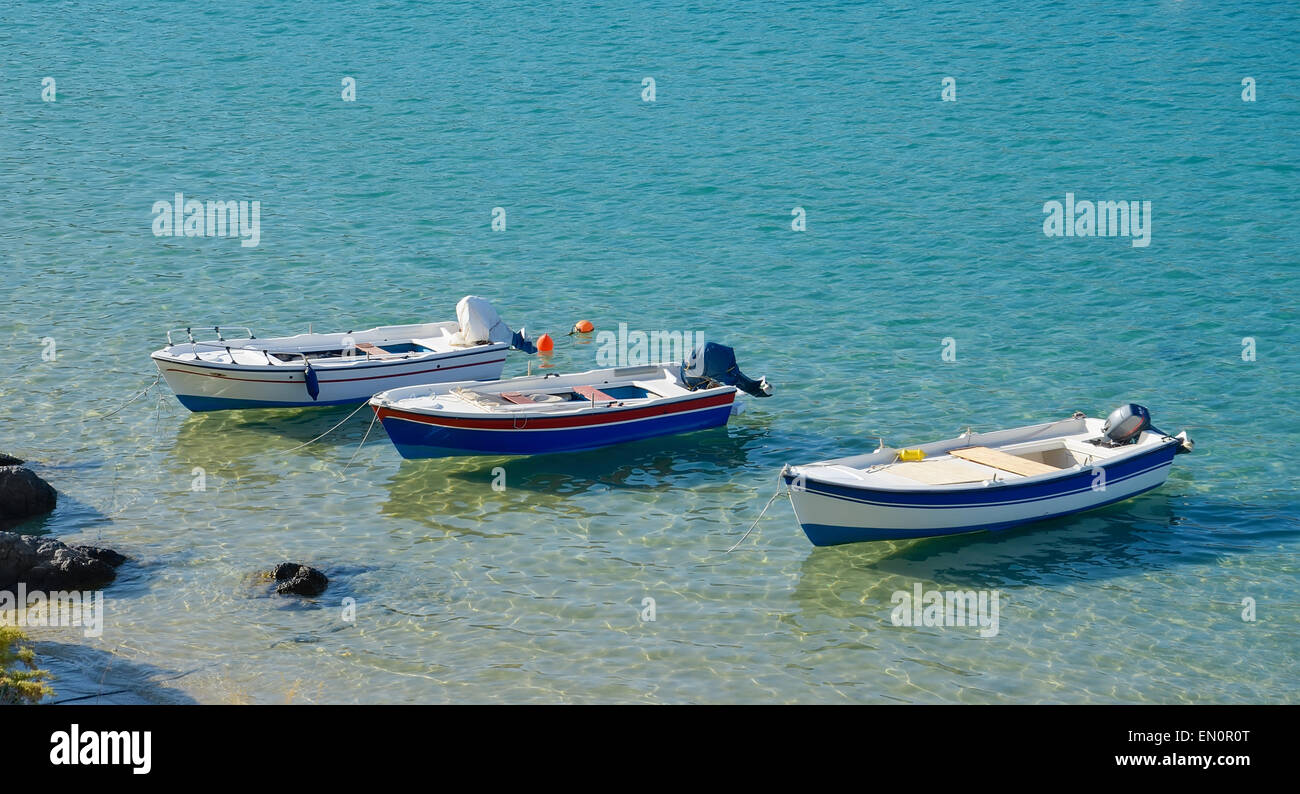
{"points": [[525, 422]]}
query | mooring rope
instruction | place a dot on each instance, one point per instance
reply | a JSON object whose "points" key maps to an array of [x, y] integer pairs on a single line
{"points": [[362, 444], [133, 399], [760, 518], [327, 432], [261, 455]]}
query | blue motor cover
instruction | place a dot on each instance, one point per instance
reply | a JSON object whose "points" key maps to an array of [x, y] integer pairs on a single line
{"points": [[522, 343], [712, 363]]}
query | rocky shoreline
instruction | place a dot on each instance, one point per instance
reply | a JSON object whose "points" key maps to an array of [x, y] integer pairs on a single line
{"points": [[31, 563], [43, 563], [47, 564], [23, 494]]}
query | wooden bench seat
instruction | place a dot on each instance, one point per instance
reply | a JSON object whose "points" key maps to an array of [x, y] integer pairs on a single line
{"points": [[1001, 460], [373, 350], [592, 393]]}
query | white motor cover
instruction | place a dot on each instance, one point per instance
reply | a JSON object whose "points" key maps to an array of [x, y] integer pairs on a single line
{"points": [[480, 323]]}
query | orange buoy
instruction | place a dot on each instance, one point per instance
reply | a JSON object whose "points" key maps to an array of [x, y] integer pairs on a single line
{"points": [[582, 327], [545, 343]]}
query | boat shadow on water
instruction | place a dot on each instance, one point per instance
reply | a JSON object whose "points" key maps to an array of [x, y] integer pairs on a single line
{"points": [[239, 435], [1156, 532], [438, 489]]}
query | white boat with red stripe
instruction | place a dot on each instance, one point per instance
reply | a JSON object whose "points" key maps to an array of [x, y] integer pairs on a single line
{"points": [[236, 370]]}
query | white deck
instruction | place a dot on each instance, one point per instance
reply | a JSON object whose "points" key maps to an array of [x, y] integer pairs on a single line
{"points": [[549, 394]]}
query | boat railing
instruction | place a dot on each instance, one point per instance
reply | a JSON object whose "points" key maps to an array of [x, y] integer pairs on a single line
{"points": [[349, 351], [218, 329], [230, 351]]}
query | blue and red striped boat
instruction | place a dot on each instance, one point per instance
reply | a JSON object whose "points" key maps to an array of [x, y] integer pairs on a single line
{"points": [[551, 413]]}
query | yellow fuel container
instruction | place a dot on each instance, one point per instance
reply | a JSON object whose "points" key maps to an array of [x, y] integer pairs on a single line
{"points": [[911, 454]]}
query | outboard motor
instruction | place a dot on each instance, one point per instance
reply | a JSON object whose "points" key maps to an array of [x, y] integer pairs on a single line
{"points": [[479, 322], [1126, 423], [711, 364]]}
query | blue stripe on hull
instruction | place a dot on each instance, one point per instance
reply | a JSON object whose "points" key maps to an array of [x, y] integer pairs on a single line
{"points": [[201, 404], [418, 440], [831, 535]]}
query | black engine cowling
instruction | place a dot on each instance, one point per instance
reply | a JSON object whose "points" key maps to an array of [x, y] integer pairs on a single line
{"points": [[1126, 423]]}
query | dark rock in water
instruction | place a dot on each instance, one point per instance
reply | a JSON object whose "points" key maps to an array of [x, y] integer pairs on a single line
{"points": [[10, 460], [47, 564], [23, 494], [284, 570], [103, 555], [295, 579]]}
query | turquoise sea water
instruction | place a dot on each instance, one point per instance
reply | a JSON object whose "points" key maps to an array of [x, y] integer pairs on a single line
{"points": [[924, 222]]}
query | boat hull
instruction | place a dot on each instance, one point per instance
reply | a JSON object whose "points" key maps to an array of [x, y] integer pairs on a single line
{"points": [[202, 386], [424, 435], [832, 514]]}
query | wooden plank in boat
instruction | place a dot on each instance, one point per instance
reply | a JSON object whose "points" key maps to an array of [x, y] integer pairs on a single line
{"points": [[592, 393], [1001, 460], [937, 472], [517, 398], [373, 350]]}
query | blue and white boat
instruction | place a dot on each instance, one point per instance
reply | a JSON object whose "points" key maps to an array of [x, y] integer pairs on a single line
{"points": [[564, 413], [982, 481]]}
